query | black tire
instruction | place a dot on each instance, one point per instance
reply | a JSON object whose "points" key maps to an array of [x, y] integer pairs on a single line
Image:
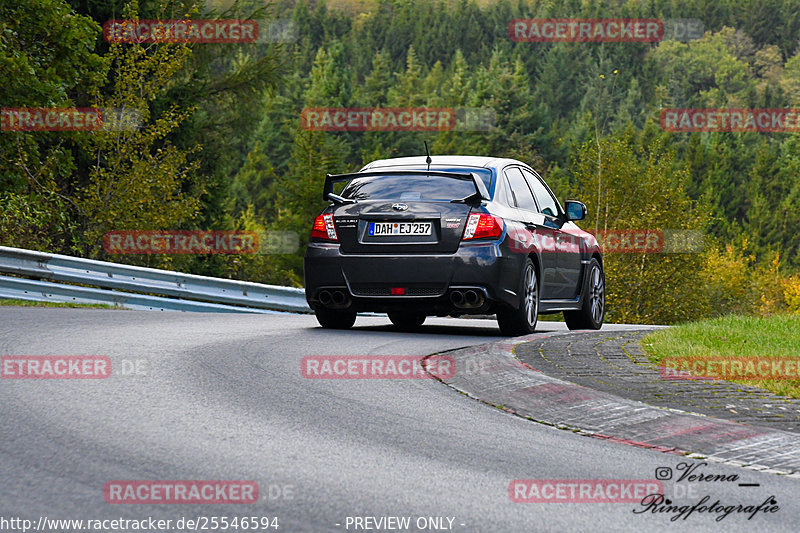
{"points": [[330, 319], [593, 310], [405, 321], [522, 321]]}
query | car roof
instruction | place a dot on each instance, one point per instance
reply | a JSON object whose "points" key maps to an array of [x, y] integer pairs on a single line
{"points": [[449, 160]]}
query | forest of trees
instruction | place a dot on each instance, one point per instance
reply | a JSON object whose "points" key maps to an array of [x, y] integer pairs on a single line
{"points": [[222, 145]]}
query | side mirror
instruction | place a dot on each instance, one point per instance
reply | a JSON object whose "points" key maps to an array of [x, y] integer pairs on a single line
{"points": [[575, 210]]}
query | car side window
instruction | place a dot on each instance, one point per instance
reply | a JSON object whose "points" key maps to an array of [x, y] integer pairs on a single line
{"points": [[505, 192], [547, 204], [519, 188]]}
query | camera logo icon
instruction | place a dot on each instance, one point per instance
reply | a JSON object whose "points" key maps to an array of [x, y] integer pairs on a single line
{"points": [[663, 473]]}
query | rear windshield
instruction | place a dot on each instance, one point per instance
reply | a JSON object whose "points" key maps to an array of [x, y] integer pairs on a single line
{"points": [[405, 187]]}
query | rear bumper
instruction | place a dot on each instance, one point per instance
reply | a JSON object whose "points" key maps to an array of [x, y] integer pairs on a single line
{"points": [[426, 280]]}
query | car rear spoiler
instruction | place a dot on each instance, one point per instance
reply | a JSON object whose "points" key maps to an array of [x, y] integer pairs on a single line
{"points": [[480, 187]]}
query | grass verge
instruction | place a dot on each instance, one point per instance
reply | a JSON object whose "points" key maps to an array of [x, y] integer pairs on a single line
{"points": [[28, 303], [729, 337]]}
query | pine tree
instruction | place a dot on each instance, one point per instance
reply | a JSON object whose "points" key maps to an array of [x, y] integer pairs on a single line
{"points": [[406, 91], [375, 89]]}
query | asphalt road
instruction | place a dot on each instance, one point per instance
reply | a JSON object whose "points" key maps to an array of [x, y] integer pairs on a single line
{"points": [[221, 397]]}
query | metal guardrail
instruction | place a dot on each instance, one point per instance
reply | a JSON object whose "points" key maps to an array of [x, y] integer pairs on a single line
{"points": [[116, 284]]}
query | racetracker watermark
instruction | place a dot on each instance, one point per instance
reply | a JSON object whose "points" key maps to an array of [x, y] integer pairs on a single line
{"points": [[72, 367], [732, 120], [397, 119], [69, 119], [611, 241], [181, 31], [170, 491], [630, 241], [602, 30], [277, 31], [200, 242], [684, 30], [730, 368], [50, 119], [377, 367], [180, 242], [55, 367], [649, 241], [583, 490]]}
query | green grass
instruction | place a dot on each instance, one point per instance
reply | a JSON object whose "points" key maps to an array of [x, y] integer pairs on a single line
{"points": [[733, 336], [28, 303]]}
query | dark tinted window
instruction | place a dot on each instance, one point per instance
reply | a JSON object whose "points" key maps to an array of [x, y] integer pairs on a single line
{"points": [[400, 187], [484, 173], [547, 204], [520, 190]]}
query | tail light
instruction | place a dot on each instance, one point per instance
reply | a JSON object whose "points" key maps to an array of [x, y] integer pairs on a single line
{"points": [[482, 226], [323, 228]]}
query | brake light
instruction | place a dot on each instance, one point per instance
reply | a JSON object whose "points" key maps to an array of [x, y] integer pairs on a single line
{"points": [[323, 228], [482, 226]]}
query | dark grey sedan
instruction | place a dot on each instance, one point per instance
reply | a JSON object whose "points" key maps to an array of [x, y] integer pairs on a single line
{"points": [[451, 236]]}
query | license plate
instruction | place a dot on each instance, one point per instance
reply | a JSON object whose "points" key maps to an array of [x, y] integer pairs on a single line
{"points": [[379, 229]]}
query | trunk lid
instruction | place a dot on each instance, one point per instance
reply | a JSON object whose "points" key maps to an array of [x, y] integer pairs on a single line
{"points": [[400, 227]]}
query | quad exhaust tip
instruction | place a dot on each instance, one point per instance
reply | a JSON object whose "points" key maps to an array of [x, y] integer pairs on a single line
{"points": [[472, 298], [467, 299], [325, 298], [334, 298], [339, 298], [457, 298]]}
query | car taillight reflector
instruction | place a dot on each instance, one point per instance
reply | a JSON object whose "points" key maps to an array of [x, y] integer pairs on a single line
{"points": [[482, 226], [324, 229]]}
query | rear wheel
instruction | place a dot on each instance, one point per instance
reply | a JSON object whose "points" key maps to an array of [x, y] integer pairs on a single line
{"points": [[405, 321], [522, 321], [593, 309], [331, 319]]}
